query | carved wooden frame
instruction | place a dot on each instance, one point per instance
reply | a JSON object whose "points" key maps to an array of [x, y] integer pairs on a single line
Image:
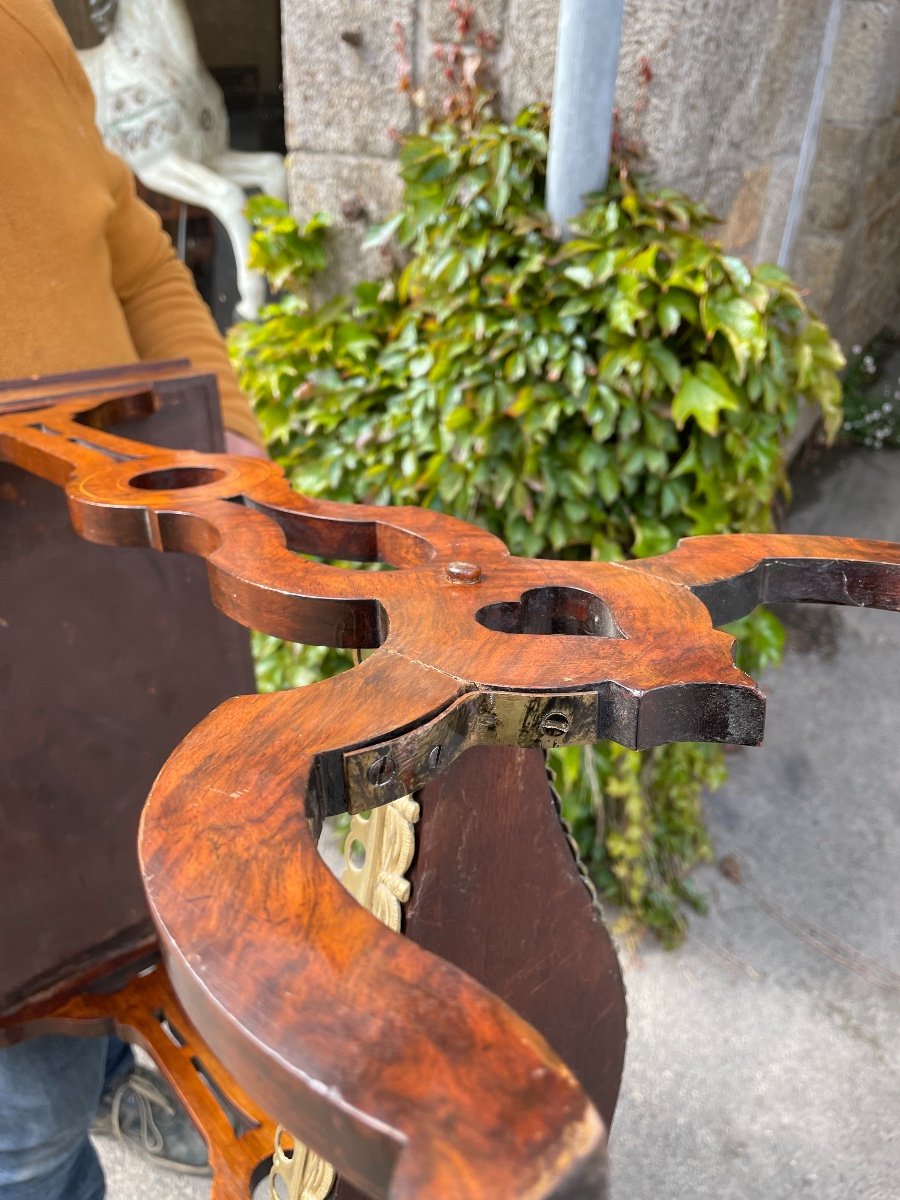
{"points": [[445, 1091]]}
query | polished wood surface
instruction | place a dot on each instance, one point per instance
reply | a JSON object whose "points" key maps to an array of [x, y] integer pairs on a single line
{"points": [[497, 890], [106, 661], [412, 1077]]}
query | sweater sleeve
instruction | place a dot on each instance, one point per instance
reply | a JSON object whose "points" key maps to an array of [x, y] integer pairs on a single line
{"points": [[165, 314]]}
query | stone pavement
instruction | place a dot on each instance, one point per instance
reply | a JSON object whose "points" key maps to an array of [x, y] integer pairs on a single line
{"points": [[132, 1178], [764, 1056]]}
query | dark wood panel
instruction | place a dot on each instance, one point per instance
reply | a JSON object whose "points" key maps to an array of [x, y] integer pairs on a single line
{"points": [[496, 891], [107, 659]]}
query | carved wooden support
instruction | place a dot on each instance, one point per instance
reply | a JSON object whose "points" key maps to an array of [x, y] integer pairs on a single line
{"points": [[144, 1011], [412, 1078]]}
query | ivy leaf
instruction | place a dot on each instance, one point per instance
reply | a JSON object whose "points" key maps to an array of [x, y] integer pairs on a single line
{"points": [[651, 537], [643, 263], [668, 315], [623, 312], [458, 419], [825, 349], [666, 363], [738, 270], [421, 364], [703, 394], [741, 325], [684, 303], [575, 372], [515, 367], [608, 485], [380, 235], [583, 276]]}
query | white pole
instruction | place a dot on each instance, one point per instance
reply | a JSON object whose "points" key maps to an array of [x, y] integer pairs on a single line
{"points": [[810, 141], [587, 56]]}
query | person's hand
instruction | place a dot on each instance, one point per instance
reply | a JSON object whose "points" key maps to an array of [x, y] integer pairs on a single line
{"points": [[236, 444]]}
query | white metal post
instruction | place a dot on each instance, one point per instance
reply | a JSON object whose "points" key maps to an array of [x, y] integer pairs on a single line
{"points": [[587, 58]]}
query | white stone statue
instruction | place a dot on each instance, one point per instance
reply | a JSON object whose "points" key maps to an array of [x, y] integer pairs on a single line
{"points": [[160, 109]]}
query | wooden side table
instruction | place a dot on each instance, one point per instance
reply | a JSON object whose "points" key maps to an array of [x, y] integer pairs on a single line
{"points": [[414, 1077]]}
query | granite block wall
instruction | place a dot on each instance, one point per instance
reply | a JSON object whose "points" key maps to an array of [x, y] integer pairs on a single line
{"points": [[781, 114]]}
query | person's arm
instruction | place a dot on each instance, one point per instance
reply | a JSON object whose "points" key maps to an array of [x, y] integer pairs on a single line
{"points": [[165, 314]]}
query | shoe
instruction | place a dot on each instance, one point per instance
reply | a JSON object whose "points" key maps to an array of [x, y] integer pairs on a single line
{"points": [[143, 1113]]}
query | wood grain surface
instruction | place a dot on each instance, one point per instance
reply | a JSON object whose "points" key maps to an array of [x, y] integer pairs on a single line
{"points": [[497, 890], [413, 1078], [107, 659]]}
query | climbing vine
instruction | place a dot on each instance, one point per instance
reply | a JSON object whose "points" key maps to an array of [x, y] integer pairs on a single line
{"points": [[599, 399]]}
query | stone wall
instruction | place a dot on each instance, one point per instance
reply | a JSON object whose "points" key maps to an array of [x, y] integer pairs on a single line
{"points": [[798, 156], [343, 108], [789, 130], [848, 248]]}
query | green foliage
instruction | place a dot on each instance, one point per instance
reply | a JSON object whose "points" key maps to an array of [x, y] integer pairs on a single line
{"points": [[600, 398], [872, 393]]}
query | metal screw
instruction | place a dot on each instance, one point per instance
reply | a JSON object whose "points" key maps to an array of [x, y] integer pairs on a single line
{"points": [[463, 572], [555, 724], [435, 758], [381, 771]]}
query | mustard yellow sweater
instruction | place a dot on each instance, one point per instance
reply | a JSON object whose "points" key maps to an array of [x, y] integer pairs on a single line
{"points": [[88, 278]]}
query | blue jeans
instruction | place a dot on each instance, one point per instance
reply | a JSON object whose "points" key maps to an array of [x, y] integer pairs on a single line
{"points": [[49, 1091]]}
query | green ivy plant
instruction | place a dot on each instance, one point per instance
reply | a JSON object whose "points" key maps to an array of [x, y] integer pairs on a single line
{"points": [[872, 393], [600, 398]]}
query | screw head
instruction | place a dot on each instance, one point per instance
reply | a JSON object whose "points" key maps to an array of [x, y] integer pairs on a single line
{"points": [[463, 572], [381, 771], [435, 758], [555, 725]]}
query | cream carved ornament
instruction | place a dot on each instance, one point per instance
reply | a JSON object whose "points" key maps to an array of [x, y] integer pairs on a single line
{"points": [[378, 852]]}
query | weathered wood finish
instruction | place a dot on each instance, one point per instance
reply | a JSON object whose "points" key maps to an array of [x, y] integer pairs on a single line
{"points": [[410, 1076]]}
